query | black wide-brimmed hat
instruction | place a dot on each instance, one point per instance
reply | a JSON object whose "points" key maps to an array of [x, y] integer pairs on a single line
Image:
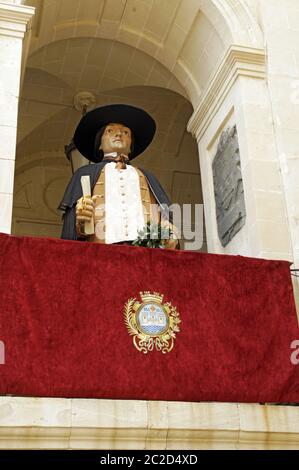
{"points": [[139, 121]]}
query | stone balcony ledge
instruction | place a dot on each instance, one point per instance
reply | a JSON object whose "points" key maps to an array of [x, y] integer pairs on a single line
{"points": [[59, 423]]}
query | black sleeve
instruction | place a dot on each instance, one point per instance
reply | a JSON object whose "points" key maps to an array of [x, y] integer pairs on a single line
{"points": [[72, 193], [69, 224]]}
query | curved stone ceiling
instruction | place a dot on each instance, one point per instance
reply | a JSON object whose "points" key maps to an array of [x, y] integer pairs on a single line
{"points": [[164, 29]]}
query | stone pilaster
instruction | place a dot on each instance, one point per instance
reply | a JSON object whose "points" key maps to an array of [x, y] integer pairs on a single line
{"points": [[14, 21], [280, 24], [238, 96]]}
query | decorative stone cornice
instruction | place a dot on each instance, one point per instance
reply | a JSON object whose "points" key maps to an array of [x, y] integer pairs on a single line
{"points": [[60, 423], [14, 19], [238, 61]]}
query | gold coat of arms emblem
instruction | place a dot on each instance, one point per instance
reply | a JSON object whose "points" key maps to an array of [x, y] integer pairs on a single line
{"points": [[152, 324]]}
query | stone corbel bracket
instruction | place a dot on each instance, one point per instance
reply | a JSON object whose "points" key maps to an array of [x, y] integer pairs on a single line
{"points": [[238, 61]]}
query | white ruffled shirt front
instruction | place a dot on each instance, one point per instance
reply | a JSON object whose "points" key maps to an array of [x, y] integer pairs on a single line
{"points": [[123, 206]]}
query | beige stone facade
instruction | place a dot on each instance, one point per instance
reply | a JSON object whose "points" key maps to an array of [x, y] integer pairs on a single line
{"points": [[56, 423], [198, 66]]}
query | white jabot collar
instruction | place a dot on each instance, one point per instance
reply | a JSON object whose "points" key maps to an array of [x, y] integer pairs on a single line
{"points": [[112, 154]]}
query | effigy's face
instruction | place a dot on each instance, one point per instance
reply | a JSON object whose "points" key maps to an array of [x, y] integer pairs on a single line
{"points": [[116, 138]]}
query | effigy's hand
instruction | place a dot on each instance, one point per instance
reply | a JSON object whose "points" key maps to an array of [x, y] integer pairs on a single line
{"points": [[85, 208], [170, 243]]}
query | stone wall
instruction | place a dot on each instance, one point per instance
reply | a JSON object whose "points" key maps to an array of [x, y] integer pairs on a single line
{"points": [[57, 423]]}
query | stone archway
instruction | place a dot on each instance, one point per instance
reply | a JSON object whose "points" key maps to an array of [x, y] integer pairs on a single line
{"points": [[177, 29], [234, 21], [177, 48], [42, 171]]}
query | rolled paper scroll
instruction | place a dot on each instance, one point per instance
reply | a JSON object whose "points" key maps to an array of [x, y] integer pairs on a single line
{"points": [[88, 224]]}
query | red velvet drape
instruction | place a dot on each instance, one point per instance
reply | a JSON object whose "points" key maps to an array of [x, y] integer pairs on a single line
{"points": [[61, 321]]}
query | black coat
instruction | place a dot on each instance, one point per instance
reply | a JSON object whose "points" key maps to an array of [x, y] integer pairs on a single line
{"points": [[73, 192]]}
